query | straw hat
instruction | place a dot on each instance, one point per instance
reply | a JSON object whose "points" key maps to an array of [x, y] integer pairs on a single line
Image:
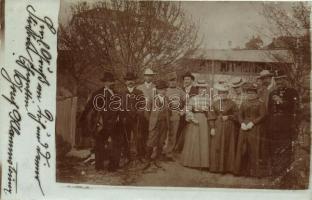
{"points": [[222, 87], [148, 71], [265, 73], [237, 82], [201, 83]]}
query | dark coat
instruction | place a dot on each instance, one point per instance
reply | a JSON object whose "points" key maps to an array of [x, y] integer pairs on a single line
{"points": [[98, 107], [132, 103]]}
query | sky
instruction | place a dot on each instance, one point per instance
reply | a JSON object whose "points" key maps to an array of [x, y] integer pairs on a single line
{"points": [[222, 25]]}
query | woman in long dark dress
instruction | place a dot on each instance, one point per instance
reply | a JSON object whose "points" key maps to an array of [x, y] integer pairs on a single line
{"points": [[251, 115], [222, 119]]}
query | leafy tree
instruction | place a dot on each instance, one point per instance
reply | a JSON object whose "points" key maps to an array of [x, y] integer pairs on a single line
{"points": [[254, 43]]}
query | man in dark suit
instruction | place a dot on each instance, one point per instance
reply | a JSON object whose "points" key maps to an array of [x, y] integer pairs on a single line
{"points": [[109, 119], [133, 103], [283, 105], [190, 90]]}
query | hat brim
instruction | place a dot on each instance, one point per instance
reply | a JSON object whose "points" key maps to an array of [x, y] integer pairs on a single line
{"points": [[280, 77], [265, 76], [149, 74], [191, 76], [237, 85], [202, 85], [221, 88]]}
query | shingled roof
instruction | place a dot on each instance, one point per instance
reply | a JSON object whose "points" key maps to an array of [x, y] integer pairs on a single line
{"points": [[266, 56]]}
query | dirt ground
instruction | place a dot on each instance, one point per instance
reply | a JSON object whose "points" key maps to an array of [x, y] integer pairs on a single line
{"points": [[73, 170]]}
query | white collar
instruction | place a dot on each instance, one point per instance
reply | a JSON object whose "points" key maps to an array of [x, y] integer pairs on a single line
{"points": [[130, 89], [148, 85], [109, 90], [188, 88], [160, 97]]}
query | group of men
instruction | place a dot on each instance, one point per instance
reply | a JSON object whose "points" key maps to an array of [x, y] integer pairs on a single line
{"points": [[144, 131]]}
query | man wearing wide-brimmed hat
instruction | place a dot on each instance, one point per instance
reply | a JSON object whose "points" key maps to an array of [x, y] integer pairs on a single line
{"points": [[283, 105], [131, 117], [107, 121], [148, 89], [266, 85]]}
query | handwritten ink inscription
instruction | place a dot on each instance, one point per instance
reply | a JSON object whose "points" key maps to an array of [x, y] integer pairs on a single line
{"points": [[29, 82]]}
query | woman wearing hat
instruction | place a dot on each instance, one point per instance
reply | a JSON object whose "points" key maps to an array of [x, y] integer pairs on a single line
{"points": [[222, 119], [195, 151], [237, 94], [251, 115]]}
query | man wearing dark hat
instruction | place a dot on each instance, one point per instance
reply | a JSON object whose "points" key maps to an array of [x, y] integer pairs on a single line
{"points": [[99, 103], [158, 122], [188, 84], [190, 90], [282, 113], [264, 88], [265, 78], [131, 117]]}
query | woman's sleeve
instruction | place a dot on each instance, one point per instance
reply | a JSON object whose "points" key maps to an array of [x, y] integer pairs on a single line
{"points": [[240, 113], [235, 112], [262, 113]]}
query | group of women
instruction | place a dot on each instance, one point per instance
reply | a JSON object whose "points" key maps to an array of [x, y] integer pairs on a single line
{"points": [[221, 136]]}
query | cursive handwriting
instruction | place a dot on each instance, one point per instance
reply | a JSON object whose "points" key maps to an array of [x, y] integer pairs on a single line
{"points": [[30, 80]]}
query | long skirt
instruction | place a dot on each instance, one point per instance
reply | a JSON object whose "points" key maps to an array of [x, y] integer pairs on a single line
{"points": [[195, 151], [248, 152], [222, 147]]}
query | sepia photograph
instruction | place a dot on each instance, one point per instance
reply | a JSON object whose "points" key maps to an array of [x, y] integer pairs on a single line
{"points": [[201, 94]]}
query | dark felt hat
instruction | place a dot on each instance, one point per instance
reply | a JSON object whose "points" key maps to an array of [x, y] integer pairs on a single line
{"points": [[130, 76], [189, 74], [107, 76], [161, 84]]}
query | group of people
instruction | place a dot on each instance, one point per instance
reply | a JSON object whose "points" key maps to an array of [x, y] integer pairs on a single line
{"points": [[236, 126]]}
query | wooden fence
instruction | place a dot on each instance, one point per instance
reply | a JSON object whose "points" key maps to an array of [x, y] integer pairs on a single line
{"points": [[66, 119]]}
